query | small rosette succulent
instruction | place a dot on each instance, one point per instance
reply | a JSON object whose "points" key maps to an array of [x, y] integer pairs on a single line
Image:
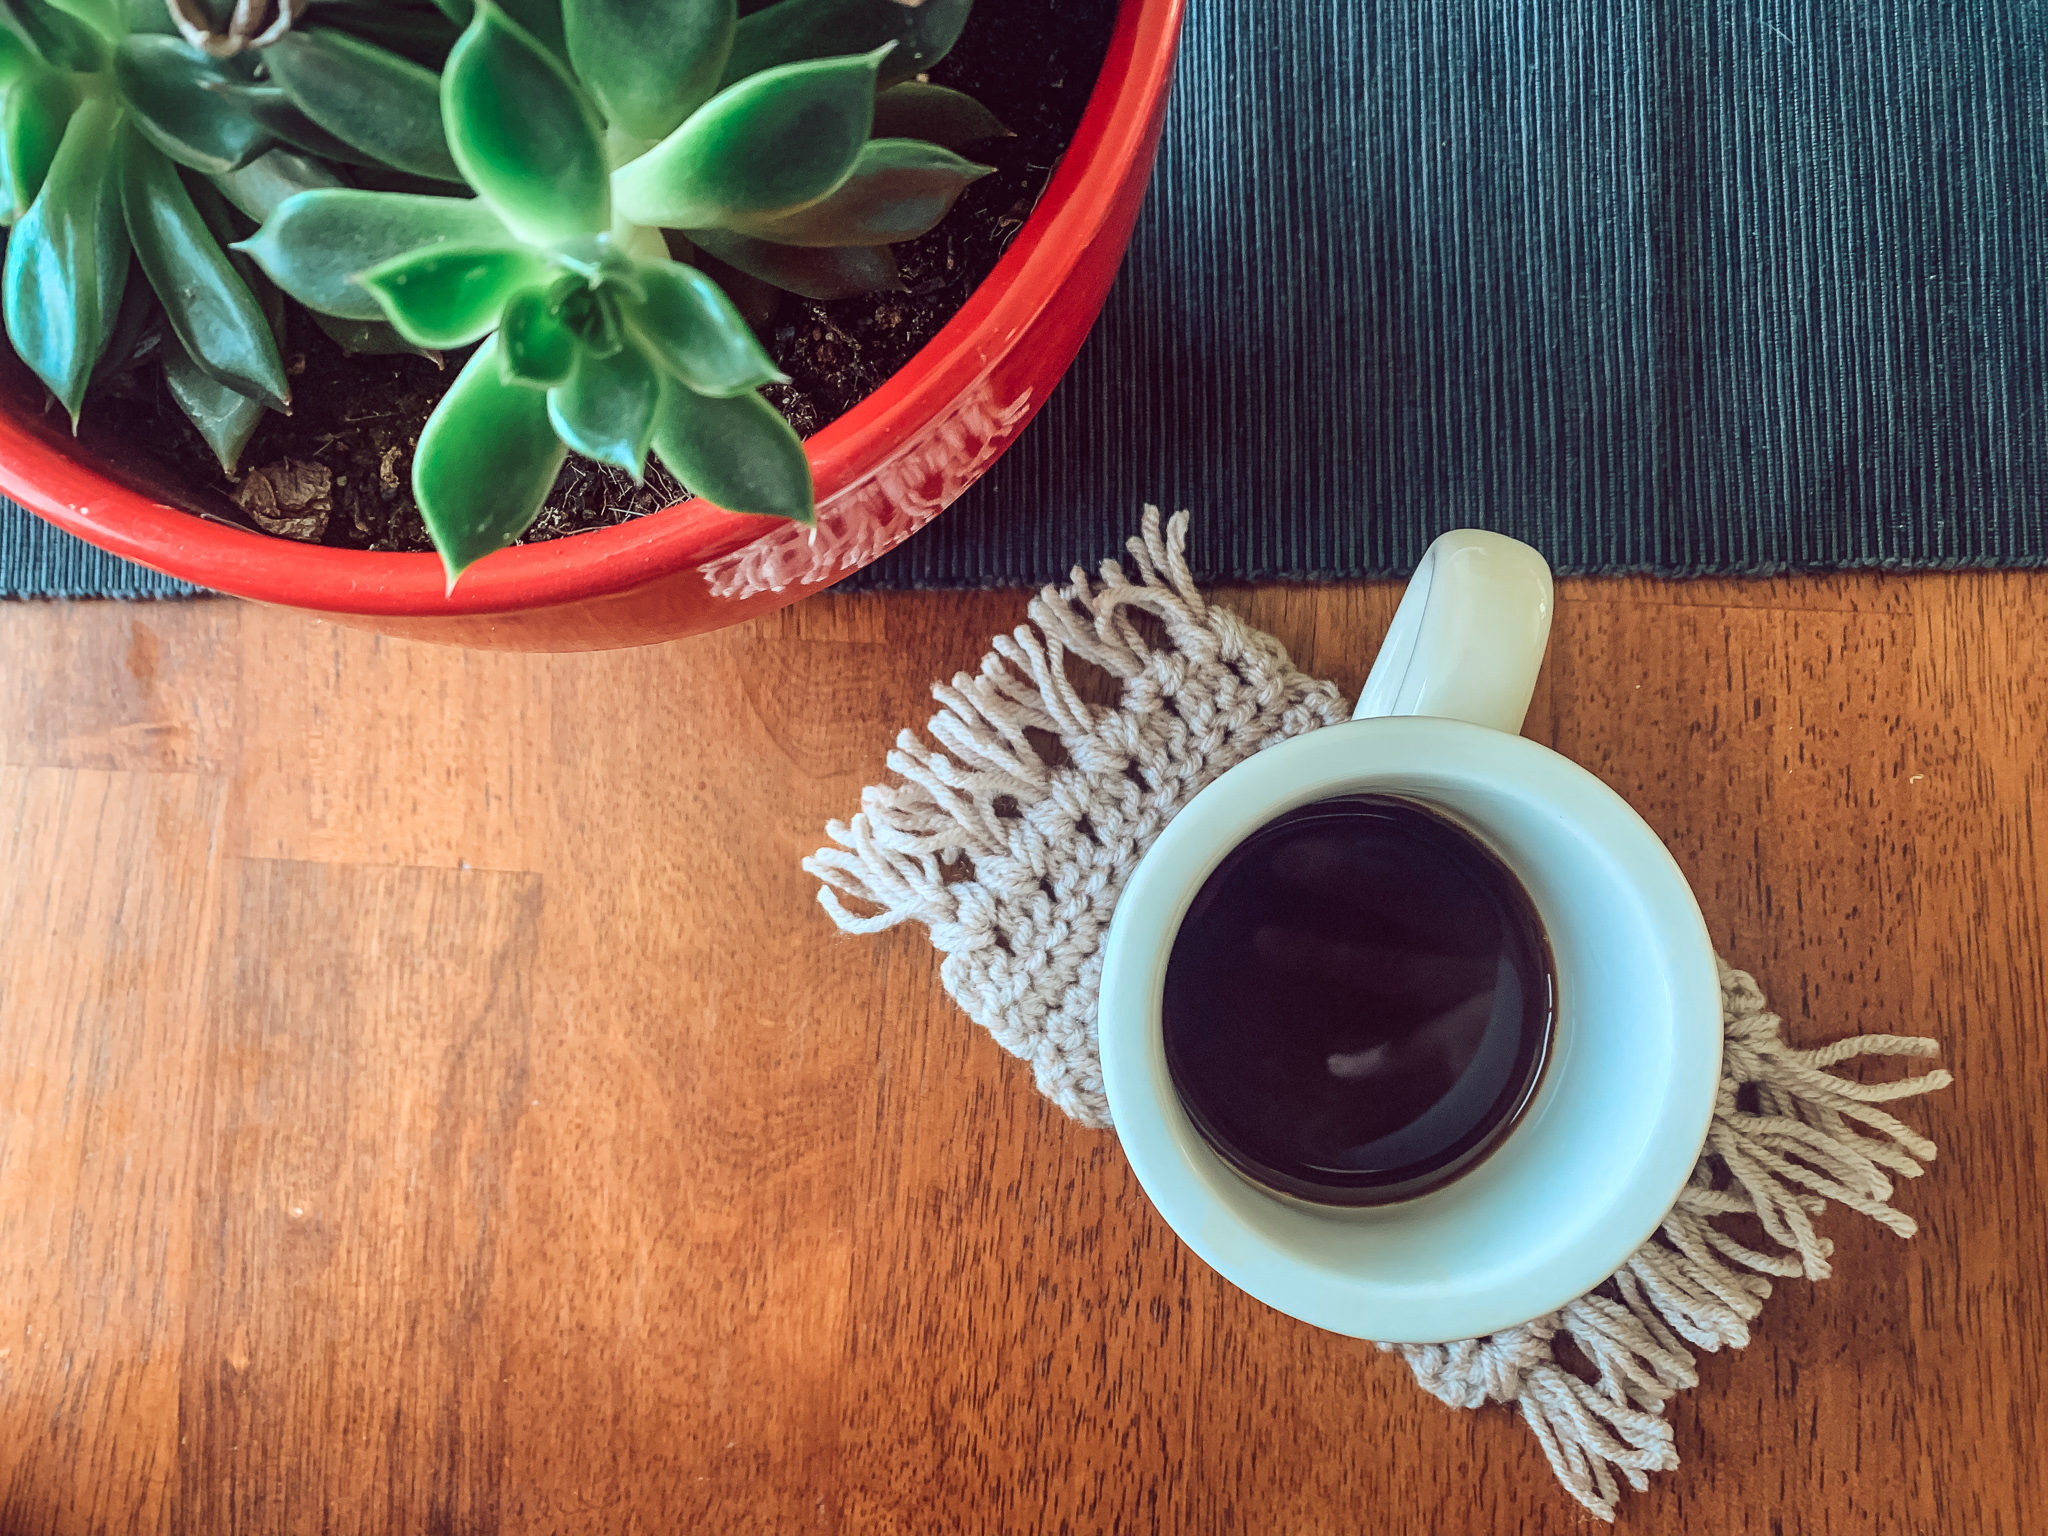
{"points": [[585, 131], [138, 139]]}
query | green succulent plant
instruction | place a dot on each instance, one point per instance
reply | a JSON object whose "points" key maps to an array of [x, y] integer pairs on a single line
{"points": [[791, 144], [144, 136]]}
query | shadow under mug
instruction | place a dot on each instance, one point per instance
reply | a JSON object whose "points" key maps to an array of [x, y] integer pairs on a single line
{"points": [[1617, 1123]]}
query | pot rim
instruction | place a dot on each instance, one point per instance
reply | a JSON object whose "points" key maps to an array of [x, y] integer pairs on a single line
{"points": [[41, 466]]}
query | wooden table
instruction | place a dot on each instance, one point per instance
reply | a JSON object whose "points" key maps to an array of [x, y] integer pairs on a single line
{"points": [[435, 1103]]}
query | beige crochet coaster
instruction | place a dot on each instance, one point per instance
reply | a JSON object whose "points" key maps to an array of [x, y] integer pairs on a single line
{"points": [[1012, 852]]}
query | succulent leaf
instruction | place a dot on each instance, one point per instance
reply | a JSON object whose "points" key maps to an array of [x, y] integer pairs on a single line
{"points": [[534, 346], [34, 110], [770, 144], [277, 114], [524, 133], [225, 417], [917, 110], [543, 18], [898, 190], [147, 16], [418, 33], [690, 329], [450, 295], [369, 338], [811, 272], [316, 242], [605, 409], [649, 63], [209, 306], [260, 187], [815, 29], [103, 16], [188, 105], [136, 331], [590, 314], [67, 258], [757, 301], [379, 102], [224, 221], [738, 454], [485, 463], [229, 224], [59, 39], [16, 57]]}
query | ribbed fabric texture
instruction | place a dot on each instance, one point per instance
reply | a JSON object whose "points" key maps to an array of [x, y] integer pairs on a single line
{"points": [[38, 561], [1662, 285]]}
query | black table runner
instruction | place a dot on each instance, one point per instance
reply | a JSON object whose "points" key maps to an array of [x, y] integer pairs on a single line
{"points": [[1659, 285]]}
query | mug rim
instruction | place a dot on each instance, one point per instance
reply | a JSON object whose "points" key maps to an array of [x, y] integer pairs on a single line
{"points": [[1180, 1179]]}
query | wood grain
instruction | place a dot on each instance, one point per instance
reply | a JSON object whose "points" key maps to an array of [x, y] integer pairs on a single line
{"points": [[435, 1103]]}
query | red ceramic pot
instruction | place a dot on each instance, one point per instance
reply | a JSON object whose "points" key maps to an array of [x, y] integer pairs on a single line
{"points": [[883, 470]]}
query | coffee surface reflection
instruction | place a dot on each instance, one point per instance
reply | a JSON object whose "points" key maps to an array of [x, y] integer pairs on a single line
{"points": [[1359, 1002]]}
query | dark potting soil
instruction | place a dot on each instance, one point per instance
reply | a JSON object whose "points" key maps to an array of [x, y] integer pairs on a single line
{"points": [[338, 470]]}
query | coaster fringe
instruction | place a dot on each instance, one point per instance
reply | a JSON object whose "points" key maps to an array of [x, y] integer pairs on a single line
{"points": [[1013, 851], [1781, 1163]]}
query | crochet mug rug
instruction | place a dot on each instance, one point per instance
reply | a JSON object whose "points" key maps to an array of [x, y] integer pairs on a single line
{"points": [[1013, 857]]}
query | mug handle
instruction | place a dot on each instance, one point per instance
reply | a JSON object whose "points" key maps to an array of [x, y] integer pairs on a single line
{"points": [[1468, 638]]}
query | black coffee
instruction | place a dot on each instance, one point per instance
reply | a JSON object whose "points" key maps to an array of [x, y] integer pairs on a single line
{"points": [[1359, 1002]]}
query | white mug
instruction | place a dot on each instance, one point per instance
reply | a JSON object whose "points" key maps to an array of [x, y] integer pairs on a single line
{"points": [[1594, 1164]]}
